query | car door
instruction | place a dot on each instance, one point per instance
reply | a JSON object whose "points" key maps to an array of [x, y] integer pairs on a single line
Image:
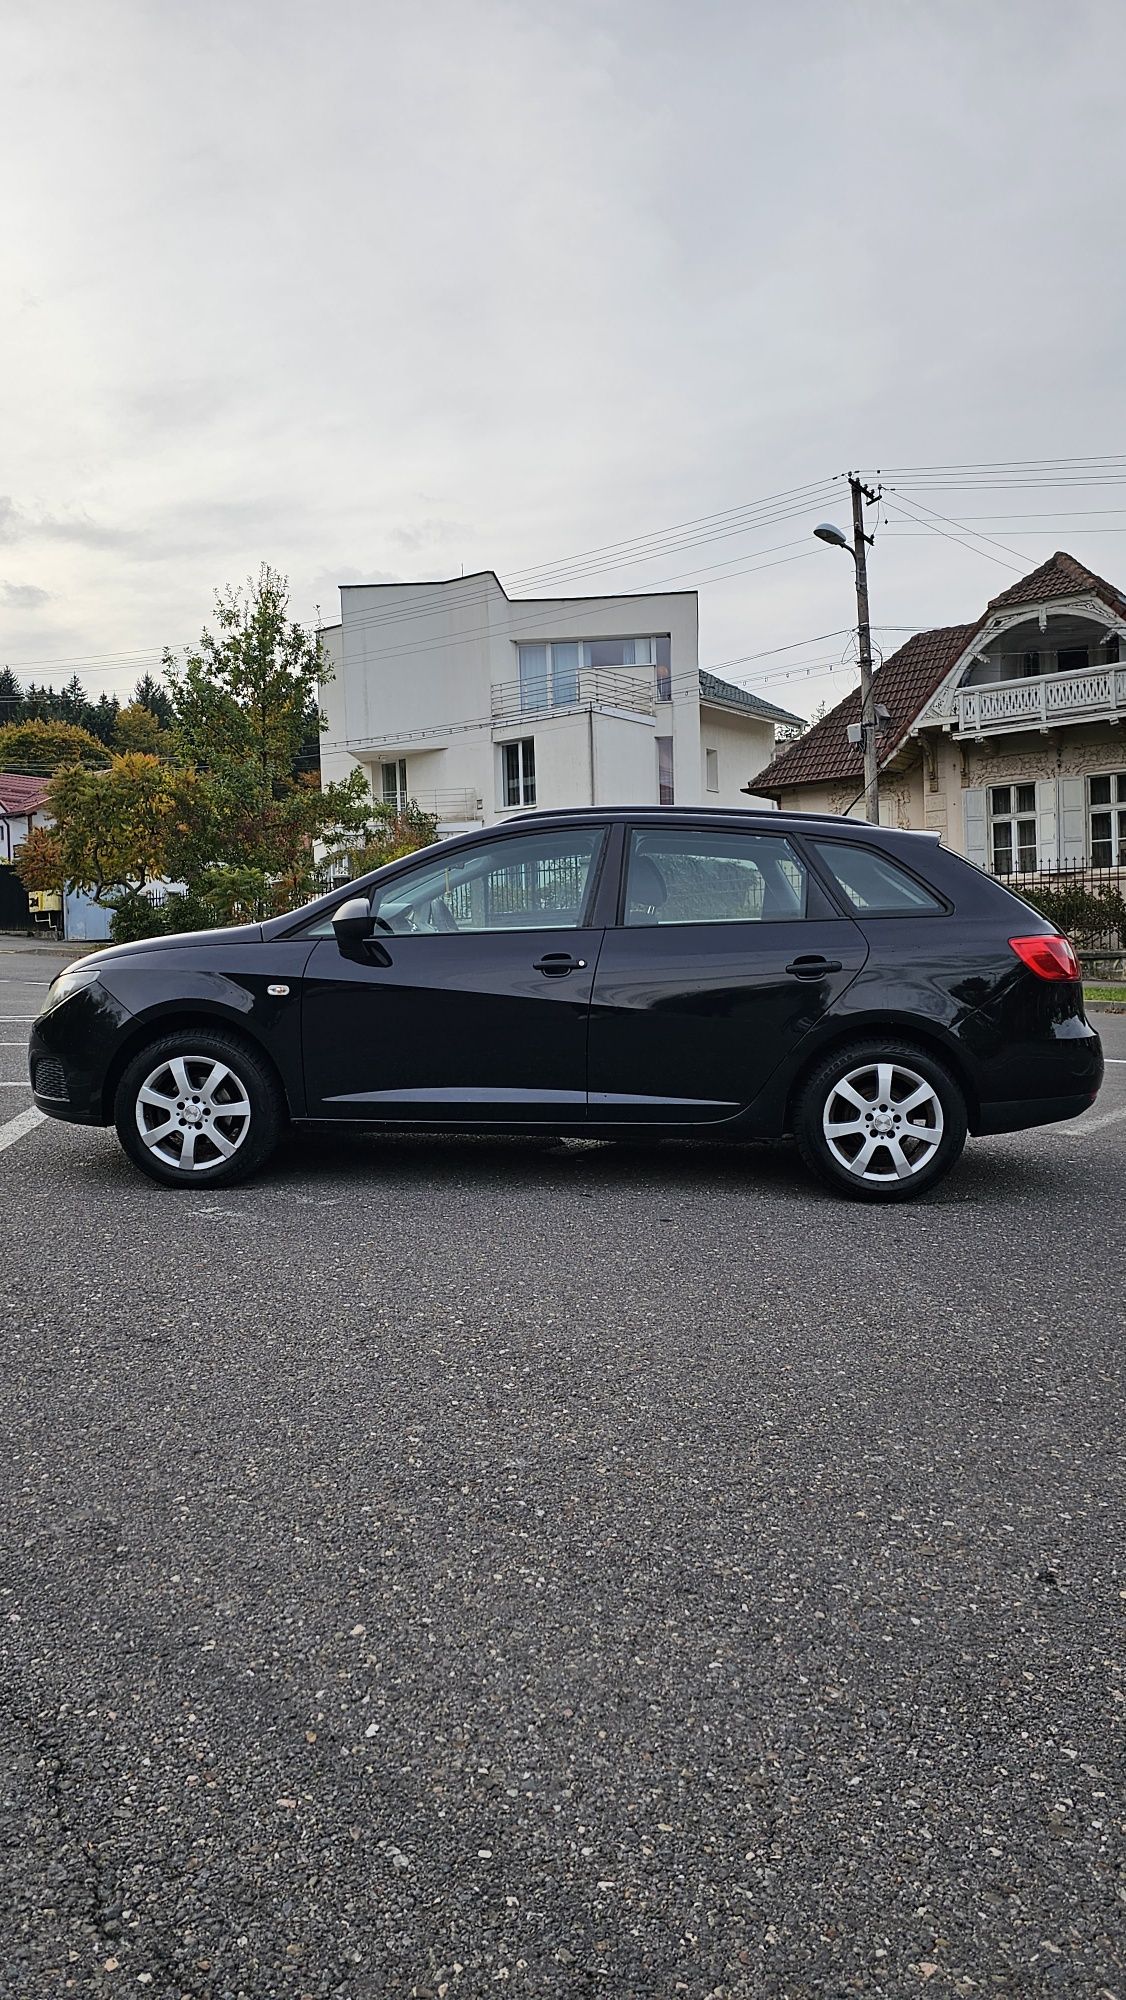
{"points": [[726, 956], [470, 1000]]}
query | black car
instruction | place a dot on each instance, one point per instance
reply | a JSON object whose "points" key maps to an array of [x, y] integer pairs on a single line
{"points": [[735, 975]]}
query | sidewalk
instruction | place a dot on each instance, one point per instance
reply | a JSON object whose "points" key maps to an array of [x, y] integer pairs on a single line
{"points": [[14, 943]]}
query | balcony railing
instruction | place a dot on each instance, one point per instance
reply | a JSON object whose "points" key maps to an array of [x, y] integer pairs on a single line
{"points": [[591, 687], [448, 805], [1040, 702]]}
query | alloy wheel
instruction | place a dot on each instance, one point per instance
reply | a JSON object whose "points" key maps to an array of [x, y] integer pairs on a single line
{"points": [[192, 1112], [882, 1122]]}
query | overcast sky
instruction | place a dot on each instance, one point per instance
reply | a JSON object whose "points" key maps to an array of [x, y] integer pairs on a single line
{"points": [[385, 289]]}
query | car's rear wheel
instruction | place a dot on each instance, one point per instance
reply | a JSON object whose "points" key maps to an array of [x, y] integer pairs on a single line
{"points": [[198, 1109], [880, 1121]]}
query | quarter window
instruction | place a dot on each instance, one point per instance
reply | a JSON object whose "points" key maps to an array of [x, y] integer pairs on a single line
{"points": [[520, 772], [534, 882], [689, 877], [872, 884], [1012, 821], [1107, 817]]}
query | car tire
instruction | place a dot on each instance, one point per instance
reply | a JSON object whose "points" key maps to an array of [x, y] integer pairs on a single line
{"points": [[203, 1093], [880, 1121]]}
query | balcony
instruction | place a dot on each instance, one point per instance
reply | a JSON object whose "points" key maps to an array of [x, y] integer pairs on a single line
{"points": [[1044, 701], [450, 806], [592, 687]]}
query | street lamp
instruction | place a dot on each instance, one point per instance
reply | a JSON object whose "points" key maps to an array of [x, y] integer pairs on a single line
{"points": [[827, 531]]}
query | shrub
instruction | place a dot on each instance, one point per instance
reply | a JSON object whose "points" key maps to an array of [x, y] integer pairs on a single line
{"points": [[1089, 914]]}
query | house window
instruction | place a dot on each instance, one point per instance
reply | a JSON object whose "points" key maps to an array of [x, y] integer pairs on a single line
{"points": [[395, 784], [711, 770], [1012, 816], [1107, 810], [664, 771], [520, 772], [550, 668], [549, 674], [1072, 660]]}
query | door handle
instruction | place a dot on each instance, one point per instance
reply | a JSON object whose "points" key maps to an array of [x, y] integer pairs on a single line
{"points": [[556, 964], [811, 965]]}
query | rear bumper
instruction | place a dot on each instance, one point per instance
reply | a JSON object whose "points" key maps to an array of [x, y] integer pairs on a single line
{"points": [[1019, 1114], [1040, 1083]]}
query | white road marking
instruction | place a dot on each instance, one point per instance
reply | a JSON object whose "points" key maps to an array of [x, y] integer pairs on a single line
{"points": [[18, 1017], [13, 1045], [15, 1086], [1080, 1127], [18, 1128]]}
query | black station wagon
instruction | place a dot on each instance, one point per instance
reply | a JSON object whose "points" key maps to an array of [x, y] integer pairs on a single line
{"points": [[735, 975]]}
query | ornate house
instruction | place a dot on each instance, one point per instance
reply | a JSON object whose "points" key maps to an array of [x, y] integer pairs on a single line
{"points": [[1006, 736]]}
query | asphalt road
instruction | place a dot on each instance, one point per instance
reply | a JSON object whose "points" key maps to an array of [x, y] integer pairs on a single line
{"points": [[487, 1568]]}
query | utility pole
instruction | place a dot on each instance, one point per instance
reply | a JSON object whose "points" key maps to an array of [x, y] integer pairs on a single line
{"points": [[860, 544]]}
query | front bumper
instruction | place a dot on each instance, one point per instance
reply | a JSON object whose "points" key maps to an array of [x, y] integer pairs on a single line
{"points": [[69, 1054]]}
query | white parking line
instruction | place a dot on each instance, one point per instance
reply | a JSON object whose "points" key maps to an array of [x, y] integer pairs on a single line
{"points": [[17, 1017], [18, 1128], [15, 1086]]}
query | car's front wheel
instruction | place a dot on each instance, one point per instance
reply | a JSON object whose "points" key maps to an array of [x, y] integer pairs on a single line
{"points": [[880, 1121], [198, 1109]]}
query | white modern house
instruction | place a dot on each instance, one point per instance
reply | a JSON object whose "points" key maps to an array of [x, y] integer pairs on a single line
{"points": [[479, 706]]}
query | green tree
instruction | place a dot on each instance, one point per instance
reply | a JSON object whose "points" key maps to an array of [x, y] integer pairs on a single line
{"points": [[102, 719], [149, 694], [115, 830], [394, 832], [74, 706], [11, 698], [42, 746], [242, 702], [137, 728]]}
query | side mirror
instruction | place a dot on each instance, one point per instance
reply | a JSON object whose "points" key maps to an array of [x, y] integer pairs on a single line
{"points": [[352, 922]]}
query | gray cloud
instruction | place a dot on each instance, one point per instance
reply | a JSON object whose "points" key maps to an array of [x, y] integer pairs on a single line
{"points": [[18, 524], [24, 596], [572, 273]]}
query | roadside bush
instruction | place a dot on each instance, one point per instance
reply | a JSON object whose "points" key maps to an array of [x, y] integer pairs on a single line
{"points": [[136, 917], [1090, 915]]}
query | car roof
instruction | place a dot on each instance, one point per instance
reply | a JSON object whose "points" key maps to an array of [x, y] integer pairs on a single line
{"points": [[759, 816]]}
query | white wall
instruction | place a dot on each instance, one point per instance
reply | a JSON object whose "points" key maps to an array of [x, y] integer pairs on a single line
{"points": [[416, 666], [744, 746]]}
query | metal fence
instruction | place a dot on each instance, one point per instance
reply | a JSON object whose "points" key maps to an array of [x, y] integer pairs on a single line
{"points": [[1088, 903]]}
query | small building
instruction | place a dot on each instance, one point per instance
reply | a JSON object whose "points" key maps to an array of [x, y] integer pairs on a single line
{"points": [[22, 806], [478, 706], [1005, 734]]}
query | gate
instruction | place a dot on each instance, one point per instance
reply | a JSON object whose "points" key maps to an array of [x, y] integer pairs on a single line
{"points": [[14, 911]]}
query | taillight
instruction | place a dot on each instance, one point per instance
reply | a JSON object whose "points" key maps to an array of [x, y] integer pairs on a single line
{"points": [[1048, 957]]}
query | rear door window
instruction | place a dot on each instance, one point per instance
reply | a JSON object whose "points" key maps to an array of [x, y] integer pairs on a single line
{"points": [[873, 885], [680, 875]]}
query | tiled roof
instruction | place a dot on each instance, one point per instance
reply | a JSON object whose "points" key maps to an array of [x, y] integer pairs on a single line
{"points": [[713, 689], [903, 684], [21, 795], [906, 681], [1060, 576]]}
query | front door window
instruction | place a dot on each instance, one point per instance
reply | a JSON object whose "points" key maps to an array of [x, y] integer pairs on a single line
{"points": [[539, 882]]}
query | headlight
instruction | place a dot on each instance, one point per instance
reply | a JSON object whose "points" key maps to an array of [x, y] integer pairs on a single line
{"points": [[69, 981]]}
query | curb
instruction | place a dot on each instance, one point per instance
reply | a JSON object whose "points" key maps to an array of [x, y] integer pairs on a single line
{"points": [[14, 946]]}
